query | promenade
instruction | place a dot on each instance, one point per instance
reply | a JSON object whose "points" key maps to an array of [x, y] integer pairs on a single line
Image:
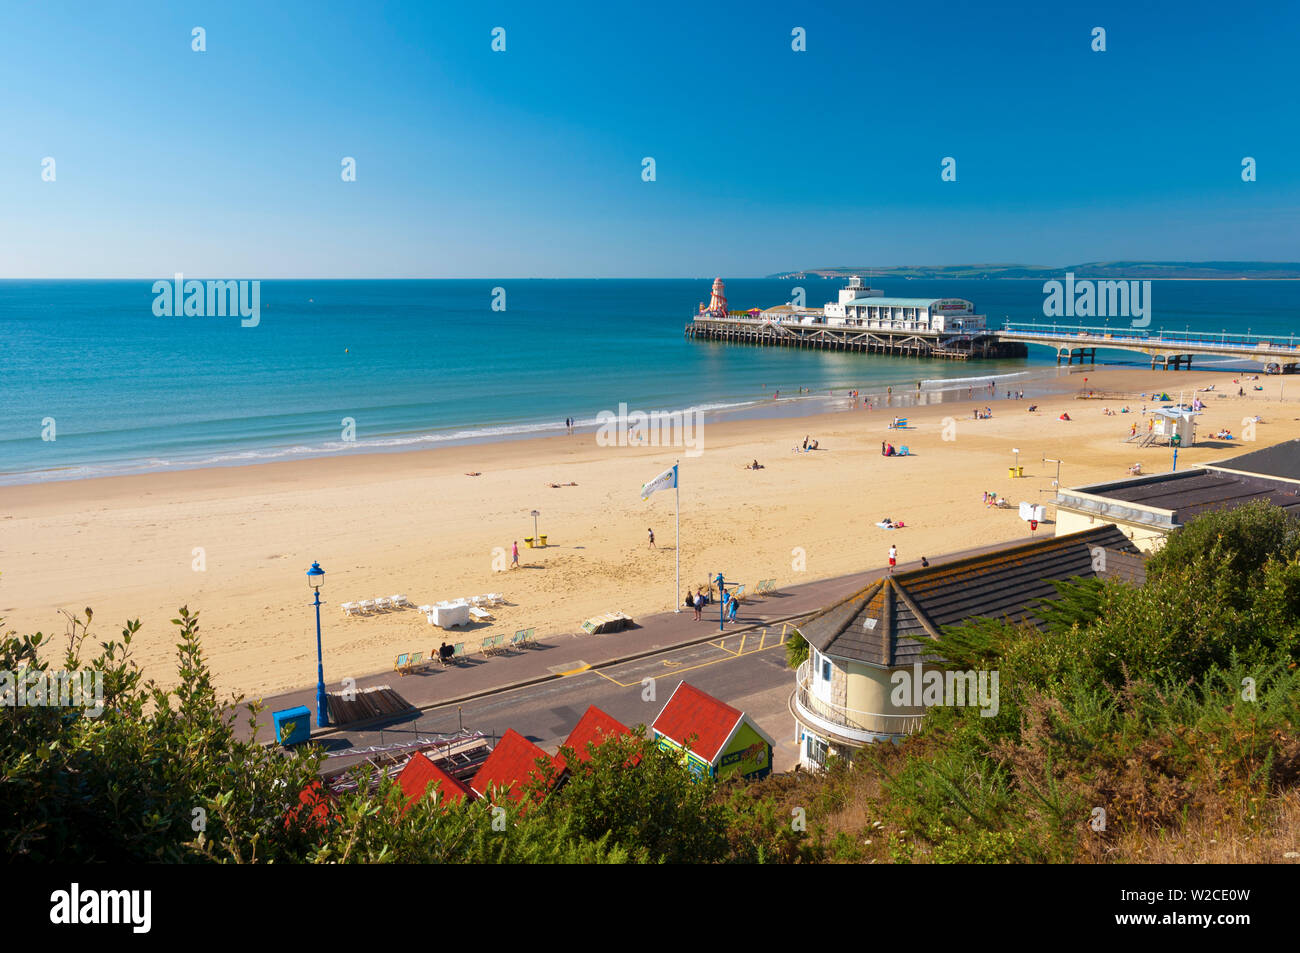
{"points": [[559, 656]]}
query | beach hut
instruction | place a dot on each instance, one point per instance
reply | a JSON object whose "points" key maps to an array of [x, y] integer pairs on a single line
{"points": [[593, 728], [511, 765], [714, 738], [420, 773]]}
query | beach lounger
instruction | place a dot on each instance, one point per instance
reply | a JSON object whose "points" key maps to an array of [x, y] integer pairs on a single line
{"points": [[382, 603], [365, 605], [399, 602], [348, 608], [479, 614]]}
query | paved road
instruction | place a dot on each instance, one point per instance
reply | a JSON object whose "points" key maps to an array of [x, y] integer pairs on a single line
{"points": [[747, 670]]}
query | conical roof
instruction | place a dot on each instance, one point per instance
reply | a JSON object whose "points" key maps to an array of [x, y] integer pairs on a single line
{"points": [[888, 622]]}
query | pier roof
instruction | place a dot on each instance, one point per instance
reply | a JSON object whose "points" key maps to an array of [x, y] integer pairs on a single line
{"points": [[889, 622], [900, 302]]}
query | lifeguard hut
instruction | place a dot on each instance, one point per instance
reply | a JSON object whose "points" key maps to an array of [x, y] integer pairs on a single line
{"points": [[1174, 426]]}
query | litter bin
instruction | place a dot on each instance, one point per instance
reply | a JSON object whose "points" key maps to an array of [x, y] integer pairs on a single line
{"points": [[292, 725], [542, 539], [528, 541], [1015, 471]]}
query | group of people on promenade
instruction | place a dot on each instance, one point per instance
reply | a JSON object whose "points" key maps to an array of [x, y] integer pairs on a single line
{"points": [[699, 599]]}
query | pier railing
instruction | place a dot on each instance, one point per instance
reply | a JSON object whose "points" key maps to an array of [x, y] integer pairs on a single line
{"points": [[1148, 337]]}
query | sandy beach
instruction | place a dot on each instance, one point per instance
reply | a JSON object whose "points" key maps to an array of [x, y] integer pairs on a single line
{"points": [[416, 523]]}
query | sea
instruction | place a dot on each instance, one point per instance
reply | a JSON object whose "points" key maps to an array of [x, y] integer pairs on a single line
{"points": [[94, 382]]}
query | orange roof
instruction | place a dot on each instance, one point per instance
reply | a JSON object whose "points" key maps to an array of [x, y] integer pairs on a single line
{"points": [[420, 772], [594, 726], [316, 798], [510, 765], [693, 712]]}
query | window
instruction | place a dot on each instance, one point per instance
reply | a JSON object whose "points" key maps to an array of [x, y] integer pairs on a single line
{"points": [[815, 749], [826, 670]]}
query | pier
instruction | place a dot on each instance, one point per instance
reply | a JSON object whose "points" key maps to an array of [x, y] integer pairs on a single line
{"points": [[897, 342], [1167, 349]]}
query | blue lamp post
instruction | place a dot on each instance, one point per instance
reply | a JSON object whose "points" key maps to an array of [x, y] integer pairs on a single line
{"points": [[316, 576], [722, 608]]}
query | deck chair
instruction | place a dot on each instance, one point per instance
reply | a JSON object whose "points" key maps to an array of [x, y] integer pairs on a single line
{"points": [[458, 653], [403, 664]]}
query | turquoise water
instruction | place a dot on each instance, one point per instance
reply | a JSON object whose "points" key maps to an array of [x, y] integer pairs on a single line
{"points": [[425, 363]]}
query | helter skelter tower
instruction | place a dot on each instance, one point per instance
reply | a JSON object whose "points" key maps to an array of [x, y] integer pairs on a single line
{"points": [[717, 300]]}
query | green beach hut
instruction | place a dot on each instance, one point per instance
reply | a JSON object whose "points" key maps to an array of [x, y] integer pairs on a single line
{"points": [[724, 741]]}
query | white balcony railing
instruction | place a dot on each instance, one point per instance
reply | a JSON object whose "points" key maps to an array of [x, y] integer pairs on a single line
{"points": [[862, 725]]}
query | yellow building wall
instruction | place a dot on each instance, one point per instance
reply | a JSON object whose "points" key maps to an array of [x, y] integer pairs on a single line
{"points": [[1145, 538], [868, 690]]}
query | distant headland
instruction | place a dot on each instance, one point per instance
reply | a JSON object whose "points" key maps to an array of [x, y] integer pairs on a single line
{"points": [[1168, 270]]}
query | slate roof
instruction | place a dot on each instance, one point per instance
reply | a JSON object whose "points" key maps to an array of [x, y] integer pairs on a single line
{"points": [[512, 762], [594, 726], [1281, 460], [692, 712], [1186, 494], [889, 622], [420, 772]]}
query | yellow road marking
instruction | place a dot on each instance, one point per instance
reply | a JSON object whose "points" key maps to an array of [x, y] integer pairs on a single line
{"points": [[730, 656], [576, 671]]}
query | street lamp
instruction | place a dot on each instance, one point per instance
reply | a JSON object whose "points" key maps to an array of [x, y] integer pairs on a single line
{"points": [[316, 576]]}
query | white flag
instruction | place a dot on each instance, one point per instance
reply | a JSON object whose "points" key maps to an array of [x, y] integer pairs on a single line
{"points": [[664, 481]]}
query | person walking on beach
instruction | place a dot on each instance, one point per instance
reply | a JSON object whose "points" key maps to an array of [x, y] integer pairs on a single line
{"points": [[514, 560], [652, 538], [893, 558]]}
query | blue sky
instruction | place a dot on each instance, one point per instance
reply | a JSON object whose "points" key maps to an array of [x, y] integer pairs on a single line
{"points": [[527, 163]]}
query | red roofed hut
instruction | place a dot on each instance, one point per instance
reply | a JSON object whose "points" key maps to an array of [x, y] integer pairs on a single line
{"points": [[594, 727], [512, 763], [313, 807], [420, 773], [724, 741]]}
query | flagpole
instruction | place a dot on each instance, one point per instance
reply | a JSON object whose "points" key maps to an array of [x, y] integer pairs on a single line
{"points": [[677, 489]]}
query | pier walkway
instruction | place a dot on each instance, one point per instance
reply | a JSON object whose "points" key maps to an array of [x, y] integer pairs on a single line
{"points": [[1165, 348]]}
